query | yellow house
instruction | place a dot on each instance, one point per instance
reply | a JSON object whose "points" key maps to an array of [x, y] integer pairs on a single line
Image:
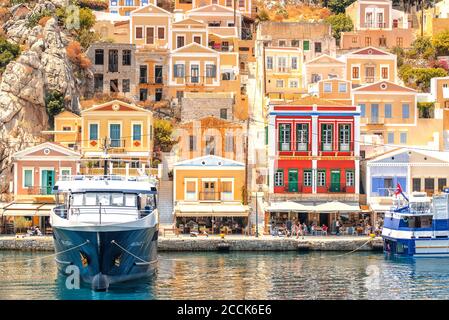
{"points": [[370, 65], [242, 6], [283, 73], [390, 118], [209, 192], [67, 129], [435, 20]]}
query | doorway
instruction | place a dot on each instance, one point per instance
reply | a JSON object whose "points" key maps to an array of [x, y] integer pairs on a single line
{"points": [[293, 180], [47, 181], [335, 181], [158, 74]]}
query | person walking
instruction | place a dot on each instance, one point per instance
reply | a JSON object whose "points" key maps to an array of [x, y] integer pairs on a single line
{"points": [[337, 227]]}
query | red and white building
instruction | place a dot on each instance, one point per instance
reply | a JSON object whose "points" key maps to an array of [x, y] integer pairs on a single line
{"points": [[314, 147]]}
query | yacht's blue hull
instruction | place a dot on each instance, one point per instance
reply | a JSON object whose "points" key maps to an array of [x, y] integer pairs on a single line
{"points": [[417, 248], [107, 257]]}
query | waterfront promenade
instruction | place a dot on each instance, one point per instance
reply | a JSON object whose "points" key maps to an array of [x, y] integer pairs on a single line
{"points": [[231, 243]]}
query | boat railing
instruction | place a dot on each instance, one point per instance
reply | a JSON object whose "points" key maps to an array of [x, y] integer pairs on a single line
{"points": [[62, 211]]}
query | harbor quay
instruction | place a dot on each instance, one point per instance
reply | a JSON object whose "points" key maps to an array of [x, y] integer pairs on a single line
{"points": [[229, 243]]}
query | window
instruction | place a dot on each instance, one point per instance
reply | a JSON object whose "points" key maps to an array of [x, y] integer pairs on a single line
{"points": [[321, 178], [143, 74], [387, 110], [355, 72], [241, 3], [179, 41], [282, 64], [228, 3], [66, 128], [279, 83], [65, 172], [27, 178], [126, 57], [269, 62], [293, 83], [143, 94], [327, 87], [403, 137], [113, 61], [354, 39], [302, 136], [405, 111], [137, 132], [161, 33], [197, 39], [399, 42], [294, 63], [390, 137], [282, 43], [345, 137], [179, 71], [382, 42], [367, 41], [416, 184], [317, 47], [150, 35], [306, 45], [326, 137], [342, 87], [307, 178], [362, 110], [224, 113], [192, 143], [98, 82], [315, 77], [99, 56], [211, 71], [279, 178], [229, 145], [93, 131], [139, 33], [194, 73], [350, 178], [284, 137], [429, 185], [384, 72], [129, 3], [442, 183], [113, 86], [295, 43], [125, 85]]}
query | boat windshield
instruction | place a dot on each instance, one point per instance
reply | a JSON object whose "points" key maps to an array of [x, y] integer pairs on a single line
{"points": [[416, 222], [419, 207], [116, 199]]}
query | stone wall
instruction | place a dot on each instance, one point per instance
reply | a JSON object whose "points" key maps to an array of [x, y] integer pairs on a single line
{"points": [[197, 108], [214, 244]]}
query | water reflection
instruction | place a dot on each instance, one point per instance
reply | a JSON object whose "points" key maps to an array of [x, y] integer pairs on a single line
{"points": [[245, 275]]}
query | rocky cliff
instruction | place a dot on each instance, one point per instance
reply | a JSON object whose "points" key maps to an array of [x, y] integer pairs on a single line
{"points": [[42, 67]]}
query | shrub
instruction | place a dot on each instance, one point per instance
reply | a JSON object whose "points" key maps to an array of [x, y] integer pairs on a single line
{"points": [[8, 52], [339, 23], [93, 4], [163, 130], [76, 56], [34, 18], [441, 43], [420, 77], [263, 15], [54, 104]]}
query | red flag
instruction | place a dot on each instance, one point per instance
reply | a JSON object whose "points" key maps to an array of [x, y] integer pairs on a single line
{"points": [[398, 189]]}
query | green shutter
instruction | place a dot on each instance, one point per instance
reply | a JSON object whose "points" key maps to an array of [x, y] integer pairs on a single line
{"points": [[266, 135], [306, 45]]}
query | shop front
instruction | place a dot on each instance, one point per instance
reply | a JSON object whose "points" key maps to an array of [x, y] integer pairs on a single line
{"points": [[212, 219], [19, 217]]}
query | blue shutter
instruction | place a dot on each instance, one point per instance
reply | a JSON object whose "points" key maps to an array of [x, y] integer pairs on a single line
{"points": [[405, 111], [137, 132], [362, 109], [387, 110], [376, 184], [93, 131]]}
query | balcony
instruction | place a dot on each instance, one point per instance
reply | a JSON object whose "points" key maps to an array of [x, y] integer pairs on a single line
{"points": [[369, 79], [375, 120], [39, 190], [374, 25], [221, 48], [210, 196]]}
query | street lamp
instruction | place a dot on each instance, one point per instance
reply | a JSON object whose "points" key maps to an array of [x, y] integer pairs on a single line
{"points": [[257, 211]]}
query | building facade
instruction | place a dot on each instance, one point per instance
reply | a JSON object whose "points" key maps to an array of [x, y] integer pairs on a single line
{"points": [[377, 24]]}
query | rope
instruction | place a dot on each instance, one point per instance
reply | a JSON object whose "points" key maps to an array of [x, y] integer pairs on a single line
{"points": [[45, 257], [128, 252], [346, 253]]}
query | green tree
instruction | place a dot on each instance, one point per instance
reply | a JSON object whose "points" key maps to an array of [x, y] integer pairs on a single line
{"points": [[400, 54], [163, 130], [339, 6], [263, 15], [441, 43], [87, 18], [340, 23], [8, 52], [54, 104], [419, 78]]}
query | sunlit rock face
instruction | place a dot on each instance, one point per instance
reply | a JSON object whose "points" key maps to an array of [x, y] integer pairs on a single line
{"points": [[41, 68]]}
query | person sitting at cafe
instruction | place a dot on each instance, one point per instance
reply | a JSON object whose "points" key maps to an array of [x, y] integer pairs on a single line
{"points": [[324, 229]]}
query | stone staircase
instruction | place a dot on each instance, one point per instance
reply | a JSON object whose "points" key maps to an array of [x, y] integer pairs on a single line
{"points": [[165, 203]]}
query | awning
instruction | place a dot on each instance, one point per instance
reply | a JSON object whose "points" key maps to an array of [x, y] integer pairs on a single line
{"points": [[380, 207], [336, 206], [212, 210], [286, 206], [28, 209]]}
